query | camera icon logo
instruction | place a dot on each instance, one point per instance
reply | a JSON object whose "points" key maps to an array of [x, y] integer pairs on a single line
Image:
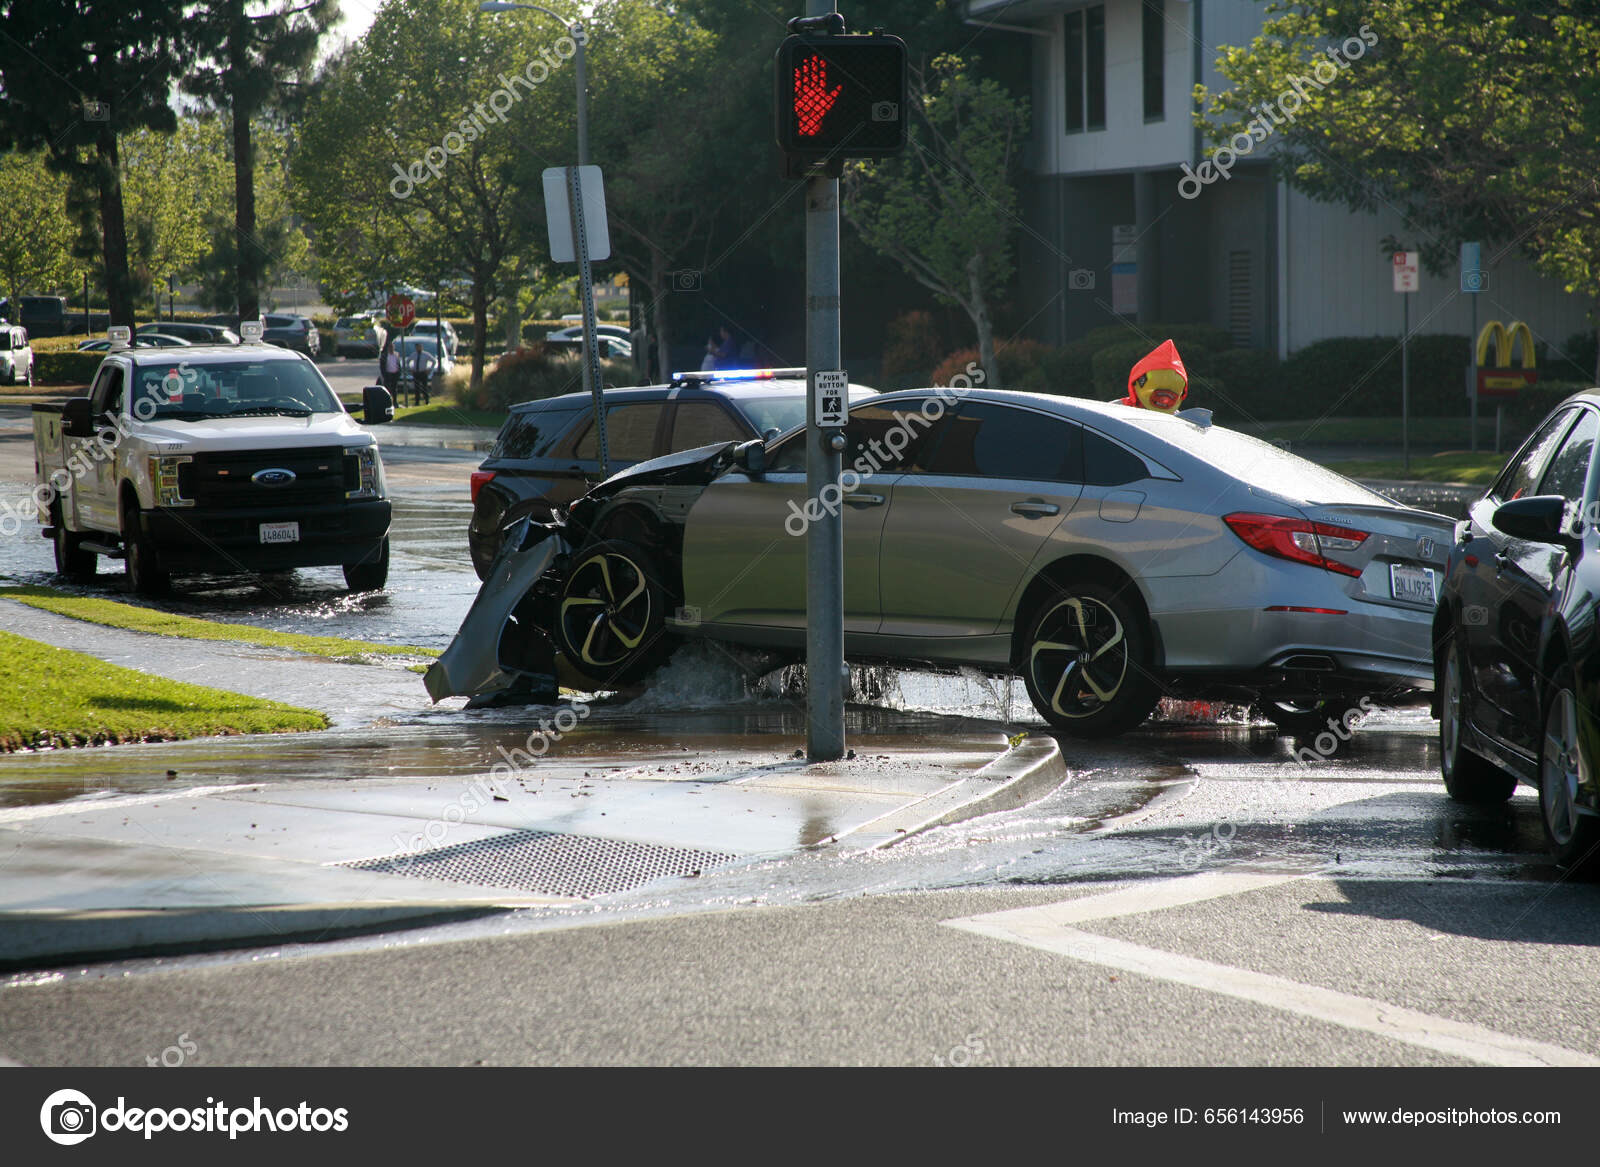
{"points": [[1475, 616], [1476, 280], [1080, 279], [687, 616], [96, 111], [68, 1117], [886, 111], [684, 280]]}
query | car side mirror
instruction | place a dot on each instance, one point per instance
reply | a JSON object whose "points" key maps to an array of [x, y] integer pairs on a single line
{"points": [[377, 406], [751, 457], [1538, 519], [75, 419]]}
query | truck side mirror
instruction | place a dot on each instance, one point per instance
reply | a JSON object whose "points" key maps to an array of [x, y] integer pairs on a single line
{"points": [[75, 419], [377, 406]]}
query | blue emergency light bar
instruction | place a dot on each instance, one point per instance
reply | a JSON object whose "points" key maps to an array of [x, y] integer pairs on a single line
{"points": [[712, 376]]}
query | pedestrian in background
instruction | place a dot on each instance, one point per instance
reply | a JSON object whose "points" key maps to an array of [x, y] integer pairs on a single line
{"points": [[389, 369]]}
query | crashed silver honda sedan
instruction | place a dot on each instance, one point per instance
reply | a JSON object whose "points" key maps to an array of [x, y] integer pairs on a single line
{"points": [[1110, 555]]}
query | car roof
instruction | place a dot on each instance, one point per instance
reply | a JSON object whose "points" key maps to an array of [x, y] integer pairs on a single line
{"points": [[203, 353]]}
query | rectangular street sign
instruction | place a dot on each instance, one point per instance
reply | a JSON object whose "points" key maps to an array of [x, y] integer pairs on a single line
{"points": [[558, 214], [1405, 271], [830, 397]]}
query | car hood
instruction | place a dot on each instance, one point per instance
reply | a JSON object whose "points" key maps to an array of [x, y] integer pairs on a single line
{"points": [[701, 464], [250, 433]]}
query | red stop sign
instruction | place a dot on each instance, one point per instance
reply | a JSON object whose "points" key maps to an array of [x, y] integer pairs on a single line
{"points": [[402, 312]]}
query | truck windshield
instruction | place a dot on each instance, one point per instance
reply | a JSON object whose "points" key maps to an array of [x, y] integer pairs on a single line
{"points": [[231, 389]]}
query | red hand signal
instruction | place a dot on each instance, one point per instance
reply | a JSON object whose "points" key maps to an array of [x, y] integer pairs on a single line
{"points": [[812, 99]]}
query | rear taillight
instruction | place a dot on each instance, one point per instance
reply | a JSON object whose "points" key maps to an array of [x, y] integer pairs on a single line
{"points": [[1298, 539], [479, 477]]}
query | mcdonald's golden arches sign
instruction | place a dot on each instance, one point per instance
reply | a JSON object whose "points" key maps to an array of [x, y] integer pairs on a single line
{"points": [[1497, 378]]}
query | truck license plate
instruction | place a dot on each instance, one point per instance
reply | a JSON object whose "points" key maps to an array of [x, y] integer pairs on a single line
{"points": [[280, 532], [1412, 583]]}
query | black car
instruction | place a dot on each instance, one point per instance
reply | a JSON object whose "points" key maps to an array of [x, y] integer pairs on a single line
{"points": [[547, 453], [1518, 673], [193, 333]]}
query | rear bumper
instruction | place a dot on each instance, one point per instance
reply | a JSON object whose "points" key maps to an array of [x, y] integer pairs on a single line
{"points": [[197, 540]]}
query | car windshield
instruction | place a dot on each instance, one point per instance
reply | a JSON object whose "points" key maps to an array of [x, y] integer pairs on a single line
{"points": [[232, 389], [5, 339]]}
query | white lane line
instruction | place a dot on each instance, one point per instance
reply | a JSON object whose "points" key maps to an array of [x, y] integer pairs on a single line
{"points": [[1048, 928], [50, 810]]}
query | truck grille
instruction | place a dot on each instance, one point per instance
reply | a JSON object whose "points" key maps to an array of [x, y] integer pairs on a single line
{"points": [[225, 480]]}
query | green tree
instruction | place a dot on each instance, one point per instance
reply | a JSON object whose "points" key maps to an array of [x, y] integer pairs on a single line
{"points": [[277, 245], [1475, 119], [35, 235], [174, 186], [407, 151], [75, 75], [946, 208], [247, 52]]}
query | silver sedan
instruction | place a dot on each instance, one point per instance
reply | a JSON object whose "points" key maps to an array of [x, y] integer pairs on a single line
{"points": [[1110, 555]]}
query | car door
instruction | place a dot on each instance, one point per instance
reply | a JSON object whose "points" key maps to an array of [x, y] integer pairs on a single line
{"points": [[96, 488], [968, 519], [1497, 632], [744, 546], [1526, 578]]}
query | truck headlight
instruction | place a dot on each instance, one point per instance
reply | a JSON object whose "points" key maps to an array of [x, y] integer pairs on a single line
{"points": [[165, 479], [363, 472]]}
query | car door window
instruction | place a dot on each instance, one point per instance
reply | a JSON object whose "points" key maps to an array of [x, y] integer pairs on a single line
{"points": [[630, 433], [703, 423], [1569, 469], [107, 396], [985, 440], [1520, 477], [880, 439], [530, 435]]}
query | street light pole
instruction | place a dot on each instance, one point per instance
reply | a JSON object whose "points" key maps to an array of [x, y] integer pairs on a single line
{"points": [[591, 351]]}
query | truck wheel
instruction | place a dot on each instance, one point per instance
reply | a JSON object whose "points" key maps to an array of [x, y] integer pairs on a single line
{"points": [[72, 560], [144, 570], [370, 574]]}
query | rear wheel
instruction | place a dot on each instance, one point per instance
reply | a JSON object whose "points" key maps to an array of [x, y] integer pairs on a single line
{"points": [[1574, 837], [371, 573], [1302, 718], [72, 560], [1087, 661], [145, 572], [1468, 777], [611, 617]]}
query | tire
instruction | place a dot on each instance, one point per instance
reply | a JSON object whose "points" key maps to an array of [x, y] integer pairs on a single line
{"points": [[1302, 718], [1574, 838], [1087, 661], [611, 616], [145, 573], [1468, 777], [370, 574], [72, 561]]}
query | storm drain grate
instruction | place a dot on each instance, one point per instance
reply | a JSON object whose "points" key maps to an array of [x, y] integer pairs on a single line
{"points": [[548, 863]]}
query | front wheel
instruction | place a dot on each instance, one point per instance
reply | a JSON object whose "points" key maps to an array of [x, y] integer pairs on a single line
{"points": [[1088, 661], [1574, 837], [371, 573], [611, 618], [145, 572], [1468, 777]]}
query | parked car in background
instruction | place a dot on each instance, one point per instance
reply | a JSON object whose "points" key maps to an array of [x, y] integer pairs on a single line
{"points": [[193, 333], [16, 355], [430, 328], [360, 335], [42, 315], [292, 332], [1516, 640], [547, 455], [611, 348], [160, 340], [575, 331]]}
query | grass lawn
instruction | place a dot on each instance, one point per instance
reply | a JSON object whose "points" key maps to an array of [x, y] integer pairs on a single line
{"points": [[137, 619], [1453, 466], [53, 697]]}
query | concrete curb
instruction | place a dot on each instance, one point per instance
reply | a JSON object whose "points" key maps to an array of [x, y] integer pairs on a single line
{"points": [[50, 938], [1017, 777]]}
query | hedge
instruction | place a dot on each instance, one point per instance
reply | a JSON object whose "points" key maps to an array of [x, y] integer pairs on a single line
{"points": [[65, 368]]}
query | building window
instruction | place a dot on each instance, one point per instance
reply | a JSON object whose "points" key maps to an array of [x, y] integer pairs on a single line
{"points": [[1155, 60], [1086, 69]]}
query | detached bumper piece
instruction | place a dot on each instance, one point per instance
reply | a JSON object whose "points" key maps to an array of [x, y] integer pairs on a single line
{"points": [[502, 655]]}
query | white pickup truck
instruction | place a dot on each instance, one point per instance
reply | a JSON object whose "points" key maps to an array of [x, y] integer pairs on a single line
{"points": [[213, 459]]}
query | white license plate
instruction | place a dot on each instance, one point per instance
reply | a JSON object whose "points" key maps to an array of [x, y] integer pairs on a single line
{"points": [[1412, 583], [280, 532]]}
